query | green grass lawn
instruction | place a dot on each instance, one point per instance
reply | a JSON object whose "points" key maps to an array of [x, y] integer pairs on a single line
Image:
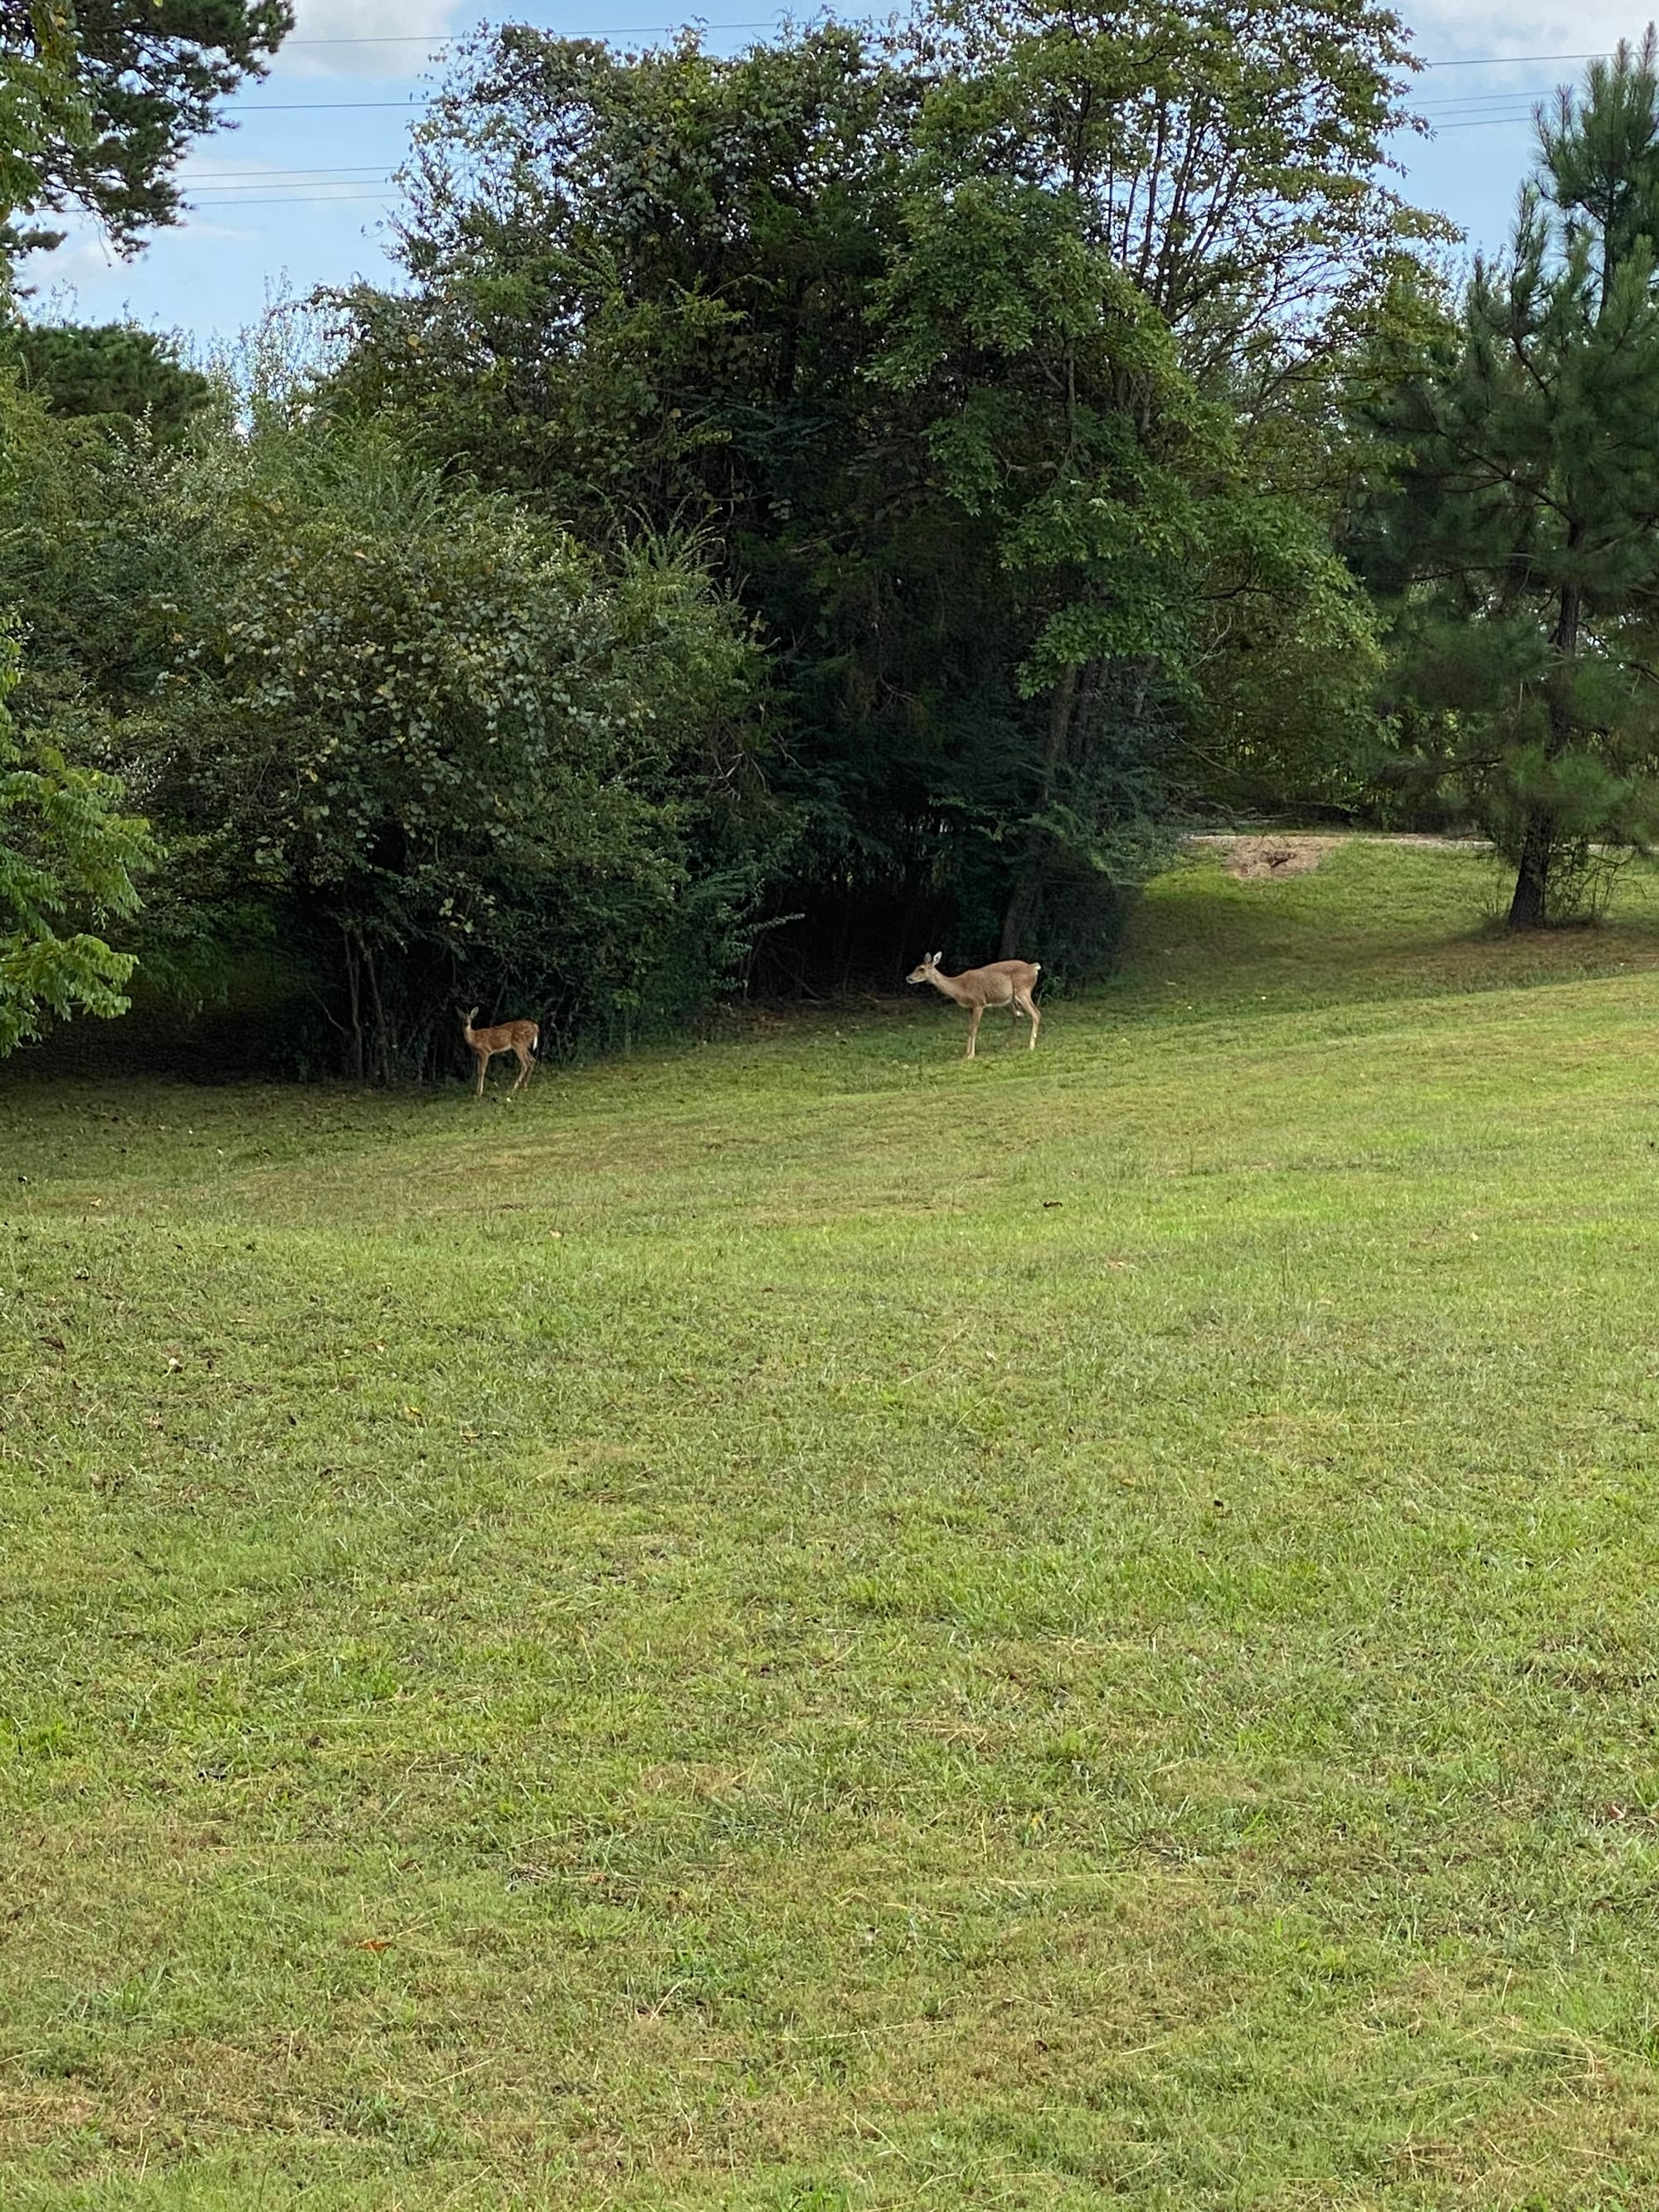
{"points": [[793, 1623]]}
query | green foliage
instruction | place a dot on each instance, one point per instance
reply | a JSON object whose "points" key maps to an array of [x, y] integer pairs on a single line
{"points": [[409, 733], [109, 369], [640, 281], [1152, 572], [469, 765], [39, 101], [1226, 159], [955, 405], [1286, 650], [1047, 406], [68, 855], [981, 453], [98, 101], [1520, 530]]}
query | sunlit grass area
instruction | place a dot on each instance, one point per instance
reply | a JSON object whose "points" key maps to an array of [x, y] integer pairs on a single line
{"points": [[795, 1623]]}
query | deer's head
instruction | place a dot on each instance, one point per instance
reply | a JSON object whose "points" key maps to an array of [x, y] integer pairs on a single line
{"points": [[467, 1020], [926, 968]]}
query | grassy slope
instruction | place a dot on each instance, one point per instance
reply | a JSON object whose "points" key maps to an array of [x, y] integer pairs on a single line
{"points": [[800, 1625]]}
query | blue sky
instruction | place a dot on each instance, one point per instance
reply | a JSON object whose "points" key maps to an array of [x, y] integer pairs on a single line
{"points": [[295, 195]]}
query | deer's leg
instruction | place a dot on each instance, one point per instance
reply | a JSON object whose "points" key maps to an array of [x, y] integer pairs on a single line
{"points": [[525, 1064], [974, 1016], [1036, 1020], [482, 1058]]}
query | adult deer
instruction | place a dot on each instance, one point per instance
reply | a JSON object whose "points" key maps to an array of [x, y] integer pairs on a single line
{"points": [[520, 1038], [1004, 983]]}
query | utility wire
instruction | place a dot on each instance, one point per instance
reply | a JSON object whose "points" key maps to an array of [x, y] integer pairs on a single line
{"points": [[318, 197], [411, 106], [295, 199], [1474, 100], [453, 39], [301, 187], [209, 177], [1514, 61], [1484, 123], [1452, 112], [640, 30]]}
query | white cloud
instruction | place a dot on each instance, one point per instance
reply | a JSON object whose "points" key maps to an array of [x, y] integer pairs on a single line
{"points": [[1448, 27], [385, 39], [82, 258], [84, 282]]}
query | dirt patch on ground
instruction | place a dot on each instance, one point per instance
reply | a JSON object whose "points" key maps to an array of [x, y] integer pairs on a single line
{"points": [[1259, 860]]}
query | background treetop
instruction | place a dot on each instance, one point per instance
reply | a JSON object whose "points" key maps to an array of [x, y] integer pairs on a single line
{"points": [[1231, 158], [1516, 534]]}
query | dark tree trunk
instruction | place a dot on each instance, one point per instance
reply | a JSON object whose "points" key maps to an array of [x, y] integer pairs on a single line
{"points": [[383, 1055], [1018, 915], [1026, 894], [1529, 906], [354, 998]]}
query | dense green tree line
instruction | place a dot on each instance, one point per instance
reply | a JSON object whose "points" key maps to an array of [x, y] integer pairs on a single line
{"points": [[995, 365], [406, 741], [869, 490]]}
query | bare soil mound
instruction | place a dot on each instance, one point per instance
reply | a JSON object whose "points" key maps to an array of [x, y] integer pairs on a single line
{"points": [[1260, 859]]}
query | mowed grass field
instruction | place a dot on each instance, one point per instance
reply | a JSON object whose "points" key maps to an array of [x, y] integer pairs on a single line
{"points": [[793, 1623]]}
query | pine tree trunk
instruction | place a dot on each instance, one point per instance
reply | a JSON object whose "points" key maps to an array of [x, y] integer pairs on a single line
{"points": [[1529, 906]]}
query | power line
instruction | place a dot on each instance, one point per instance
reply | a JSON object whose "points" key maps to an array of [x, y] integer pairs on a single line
{"points": [[295, 199], [300, 181], [641, 30], [413, 101], [313, 195], [210, 179], [1513, 61], [451, 39], [1440, 118], [1452, 108], [645, 30], [330, 106], [1485, 123]]}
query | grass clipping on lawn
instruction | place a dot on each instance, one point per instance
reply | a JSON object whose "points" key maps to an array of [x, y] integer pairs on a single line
{"points": [[801, 1624]]}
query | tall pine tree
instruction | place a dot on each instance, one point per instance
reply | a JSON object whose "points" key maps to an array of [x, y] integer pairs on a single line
{"points": [[1519, 534]]}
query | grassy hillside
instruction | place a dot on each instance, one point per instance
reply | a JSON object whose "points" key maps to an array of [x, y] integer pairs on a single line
{"points": [[797, 1624]]}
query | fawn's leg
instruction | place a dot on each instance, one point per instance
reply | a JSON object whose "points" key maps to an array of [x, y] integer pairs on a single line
{"points": [[525, 1064], [974, 1017], [482, 1058]]}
